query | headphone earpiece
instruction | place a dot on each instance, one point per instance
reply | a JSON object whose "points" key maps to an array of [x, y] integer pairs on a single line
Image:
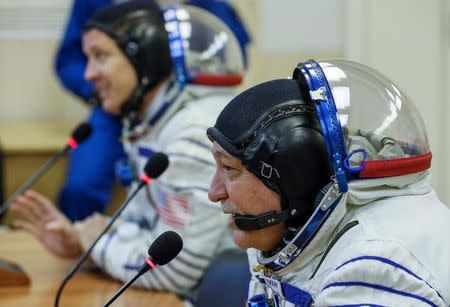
{"points": [[131, 48]]}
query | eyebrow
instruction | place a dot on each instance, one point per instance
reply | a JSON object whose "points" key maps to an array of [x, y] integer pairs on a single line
{"points": [[220, 153]]}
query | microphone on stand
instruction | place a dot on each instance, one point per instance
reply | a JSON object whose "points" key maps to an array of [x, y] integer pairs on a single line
{"points": [[154, 167], [166, 247], [82, 132]]}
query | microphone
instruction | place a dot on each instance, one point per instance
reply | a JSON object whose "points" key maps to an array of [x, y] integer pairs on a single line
{"points": [[166, 247], [82, 132], [154, 167]]}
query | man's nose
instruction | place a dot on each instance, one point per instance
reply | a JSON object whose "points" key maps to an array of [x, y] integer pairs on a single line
{"points": [[217, 190]]}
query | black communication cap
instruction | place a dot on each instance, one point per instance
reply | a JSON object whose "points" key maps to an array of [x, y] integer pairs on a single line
{"points": [[274, 130], [166, 247], [82, 132], [156, 165]]}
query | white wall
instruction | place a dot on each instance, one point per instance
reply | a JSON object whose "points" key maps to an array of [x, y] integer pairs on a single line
{"points": [[29, 35], [408, 40]]}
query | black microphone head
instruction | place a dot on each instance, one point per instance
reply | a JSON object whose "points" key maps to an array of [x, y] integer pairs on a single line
{"points": [[82, 132], [156, 165], [166, 247]]}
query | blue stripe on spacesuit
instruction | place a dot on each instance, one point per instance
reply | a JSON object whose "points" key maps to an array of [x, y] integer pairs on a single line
{"points": [[292, 294], [131, 267], [145, 152], [296, 296], [390, 262], [378, 287], [360, 305], [191, 157], [141, 221]]}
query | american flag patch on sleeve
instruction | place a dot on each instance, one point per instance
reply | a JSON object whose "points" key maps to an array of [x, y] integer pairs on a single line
{"points": [[174, 209]]}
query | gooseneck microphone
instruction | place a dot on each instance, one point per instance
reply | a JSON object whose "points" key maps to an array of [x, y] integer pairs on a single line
{"points": [[166, 247], [82, 132], [154, 167]]}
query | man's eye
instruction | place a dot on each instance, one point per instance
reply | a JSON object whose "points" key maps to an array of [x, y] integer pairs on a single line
{"points": [[227, 168], [230, 171]]}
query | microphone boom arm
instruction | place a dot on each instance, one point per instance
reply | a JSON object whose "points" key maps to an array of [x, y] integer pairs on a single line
{"points": [[77, 265], [121, 290], [44, 168]]}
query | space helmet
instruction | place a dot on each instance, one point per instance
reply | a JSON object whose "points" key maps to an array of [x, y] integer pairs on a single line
{"points": [[372, 129], [187, 41], [306, 137]]}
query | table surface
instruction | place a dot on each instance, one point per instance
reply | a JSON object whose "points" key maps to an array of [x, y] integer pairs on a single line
{"points": [[34, 136], [47, 271]]}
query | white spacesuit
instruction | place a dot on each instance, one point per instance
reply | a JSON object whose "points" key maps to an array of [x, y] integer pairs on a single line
{"points": [[176, 201], [207, 65], [386, 244]]}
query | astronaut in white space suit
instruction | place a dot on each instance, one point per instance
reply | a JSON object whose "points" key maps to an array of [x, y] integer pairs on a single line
{"points": [[327, 178], [169, 87]]}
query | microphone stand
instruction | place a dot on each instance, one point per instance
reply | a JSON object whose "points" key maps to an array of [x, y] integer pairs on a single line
{"points": [[143, 269], [44, 168], [77, 265]]}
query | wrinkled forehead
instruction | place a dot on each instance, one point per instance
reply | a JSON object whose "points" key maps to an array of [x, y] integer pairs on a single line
{"points": [[220, 153]]}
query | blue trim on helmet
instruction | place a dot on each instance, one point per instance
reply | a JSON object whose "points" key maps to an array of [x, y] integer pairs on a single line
{"points": [[355, 169], [176, 45], [329, 119], [380, 288], [304, 237]]}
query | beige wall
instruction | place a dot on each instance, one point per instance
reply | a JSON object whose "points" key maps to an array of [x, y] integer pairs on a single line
{"points": [[395, 36], [264, 65], [30, 90], [412, 47], [28, 87]]}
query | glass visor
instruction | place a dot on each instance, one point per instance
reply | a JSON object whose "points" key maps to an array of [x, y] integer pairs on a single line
{"points": [[379, 121], [212, 54]]}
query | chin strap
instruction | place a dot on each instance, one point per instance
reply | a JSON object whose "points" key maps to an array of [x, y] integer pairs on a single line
{"points": [[256, 222], [131, 108]]}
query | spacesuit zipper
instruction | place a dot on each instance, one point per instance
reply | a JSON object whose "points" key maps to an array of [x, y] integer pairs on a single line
{"points": [[340, 233]]}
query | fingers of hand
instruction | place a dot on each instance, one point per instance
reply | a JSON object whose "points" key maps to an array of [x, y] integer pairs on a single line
{"points": [[30, 227], [28, 208], [44, 203]]}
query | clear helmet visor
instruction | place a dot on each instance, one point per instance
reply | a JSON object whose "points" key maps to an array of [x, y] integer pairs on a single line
{"points": [[383, 132], [211, 53], [374, 113]]}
